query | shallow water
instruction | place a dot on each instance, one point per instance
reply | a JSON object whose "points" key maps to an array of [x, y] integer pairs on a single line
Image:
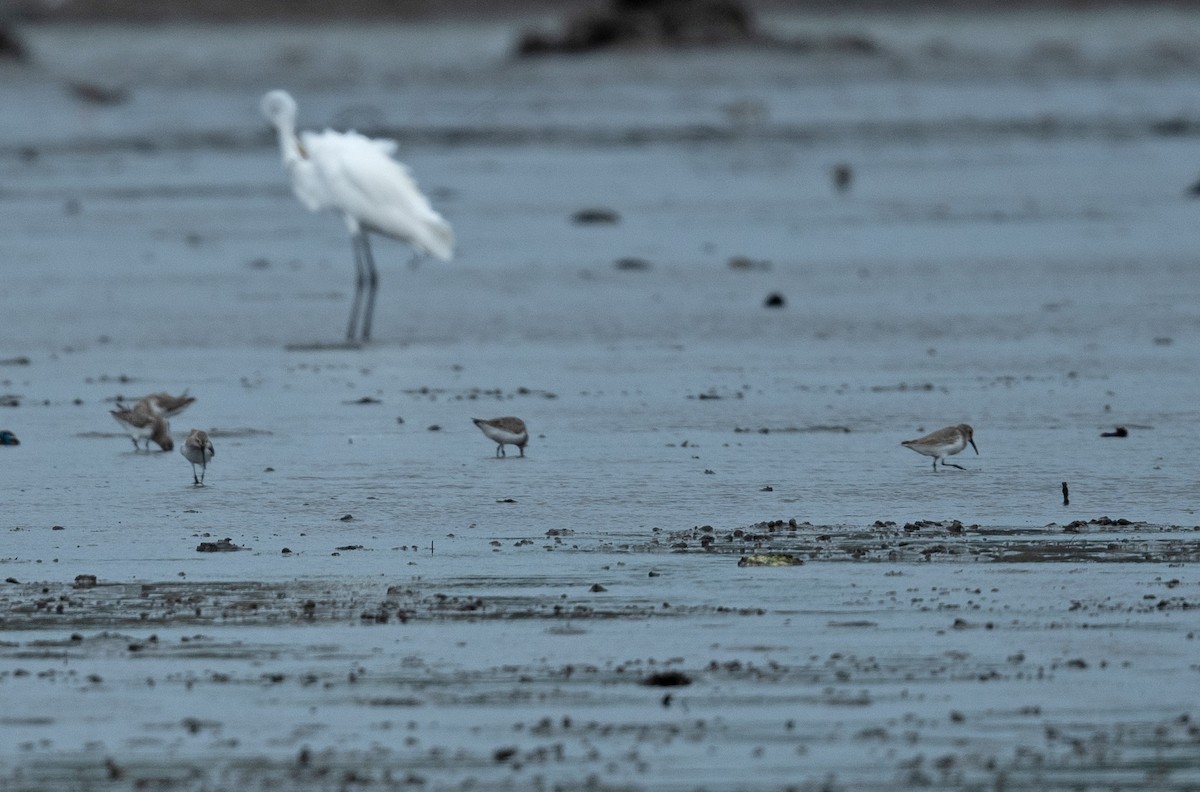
{"points": [[1016, 252]]}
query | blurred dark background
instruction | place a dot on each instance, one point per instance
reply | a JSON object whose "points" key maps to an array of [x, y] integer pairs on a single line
{"points": [[294, 10]]}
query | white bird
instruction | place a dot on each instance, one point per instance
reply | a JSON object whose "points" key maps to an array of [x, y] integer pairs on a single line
{"points": [[356, 176]]}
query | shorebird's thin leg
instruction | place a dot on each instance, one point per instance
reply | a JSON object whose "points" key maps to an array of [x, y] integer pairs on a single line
{"points": [[500, 449], [935, 464], [372, 286], [136, 447], [360, 280], [951, 464], [203, 470], [195, 481], [522, 450]]}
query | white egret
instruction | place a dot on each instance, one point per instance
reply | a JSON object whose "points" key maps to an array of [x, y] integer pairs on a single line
{"points": [[356, 176]]}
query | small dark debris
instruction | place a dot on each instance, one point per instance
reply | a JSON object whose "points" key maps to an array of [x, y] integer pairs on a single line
{"points": [[365, 400], [10, 400], [597, 588], [843, 176], [11, 47], [1120, 431], [769, 560], [349, 547], [667, 679], [747, 263], [346, 517], [774, 300], [767, 488], [596, 216], [91, 93], [57, 528], [222, 546], [435, 428], [15, 361], [85, 581], [505, 500], [632, 264], [504, 754], [7, 438], [13, 581]]}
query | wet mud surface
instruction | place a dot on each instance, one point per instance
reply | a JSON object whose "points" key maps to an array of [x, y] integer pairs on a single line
{"points": [[720, 289]]}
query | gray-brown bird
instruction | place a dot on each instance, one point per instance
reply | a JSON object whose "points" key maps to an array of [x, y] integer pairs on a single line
{"points": [[507, 430], [943, 443]]}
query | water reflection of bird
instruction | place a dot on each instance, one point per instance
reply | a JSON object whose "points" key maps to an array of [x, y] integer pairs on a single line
{"points": [[943, 443], [356, 176]]}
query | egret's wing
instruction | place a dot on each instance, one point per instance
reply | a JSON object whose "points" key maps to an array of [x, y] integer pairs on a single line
{"points": [[376, 192]]}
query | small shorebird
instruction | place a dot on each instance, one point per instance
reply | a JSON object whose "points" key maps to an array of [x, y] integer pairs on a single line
{"points": [[504, 430], [142, 422], [198, 450], [166, 404], [943, 443]]}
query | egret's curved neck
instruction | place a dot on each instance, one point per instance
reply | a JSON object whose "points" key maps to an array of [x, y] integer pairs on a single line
{"points": [[289, 144]]}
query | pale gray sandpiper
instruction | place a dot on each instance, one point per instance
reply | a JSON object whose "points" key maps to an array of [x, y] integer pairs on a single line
{"points": [[142, 422], [943, 443], [198, 450], [166, 404], [502, 431]]}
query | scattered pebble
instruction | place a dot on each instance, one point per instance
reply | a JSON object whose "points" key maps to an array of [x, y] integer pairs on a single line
{"points": [[667, 679], [769, 560], [596, 216], [774, 300], [632, 264], [221, 546]]}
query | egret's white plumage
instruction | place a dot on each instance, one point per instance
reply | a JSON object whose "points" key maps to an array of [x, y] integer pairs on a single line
{"points": [[356, 176]]}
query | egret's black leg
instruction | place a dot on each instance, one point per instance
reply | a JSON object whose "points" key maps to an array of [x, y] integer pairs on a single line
{"points": [[372, 286], [360, 280]]}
